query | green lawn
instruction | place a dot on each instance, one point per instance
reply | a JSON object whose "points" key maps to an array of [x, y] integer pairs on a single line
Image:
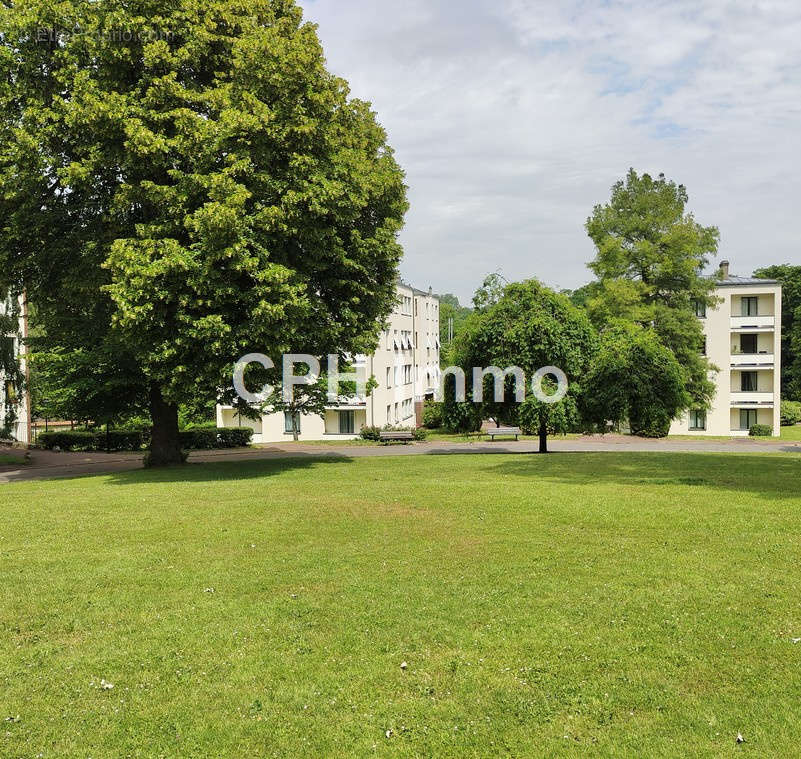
{"points": [[626, 604], [791, 432]]}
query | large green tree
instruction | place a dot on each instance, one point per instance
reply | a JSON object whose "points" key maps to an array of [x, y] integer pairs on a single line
{"points": [[186, 182], [790, 278], [650, 258], [634, 378], [530, 326]]}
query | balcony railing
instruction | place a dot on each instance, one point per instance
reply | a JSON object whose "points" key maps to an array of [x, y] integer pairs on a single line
{"points": [[761, 323], [751, 399], [753, 360]]}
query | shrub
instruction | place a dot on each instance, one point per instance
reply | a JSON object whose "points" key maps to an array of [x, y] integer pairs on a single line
{"points": [[790, 413], [370, 433], [652, 421], [432, 415], [207, 438], [461, 417], [760, 430], [134, 440], [68, 440]]}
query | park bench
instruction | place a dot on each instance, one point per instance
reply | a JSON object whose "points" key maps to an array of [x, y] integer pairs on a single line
{"points": [[387, 436], [494, 431]]}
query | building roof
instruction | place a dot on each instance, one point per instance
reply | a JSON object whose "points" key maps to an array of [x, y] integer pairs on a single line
{"points": [[731, 280], [415, 290]]}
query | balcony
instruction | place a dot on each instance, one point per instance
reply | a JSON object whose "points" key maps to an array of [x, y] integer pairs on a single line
{"points": [[752, 361], [752, 323], [750, 399]]}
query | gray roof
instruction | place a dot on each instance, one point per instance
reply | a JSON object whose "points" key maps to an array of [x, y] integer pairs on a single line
{"points": [[731, 280]]}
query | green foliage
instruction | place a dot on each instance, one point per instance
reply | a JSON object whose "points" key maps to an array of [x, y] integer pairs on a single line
{"points": [[790, 278], [634, 377], [489, 293], [449, 308], [458, 416], [172, 204], [760, 430], [529, 326], [93, 440], [558, 418], [368, 432], [136, 439], [432, 414], [216, 437], [790, 413], [650, 255]]}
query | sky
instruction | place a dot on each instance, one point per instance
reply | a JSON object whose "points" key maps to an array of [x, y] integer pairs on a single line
{"points": [[513, 118]]}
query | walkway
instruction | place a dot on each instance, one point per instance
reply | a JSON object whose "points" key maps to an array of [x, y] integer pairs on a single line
{"points": [[48, 464]]}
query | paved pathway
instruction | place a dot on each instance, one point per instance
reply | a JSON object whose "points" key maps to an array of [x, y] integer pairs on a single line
{"points": [[47, 464]]}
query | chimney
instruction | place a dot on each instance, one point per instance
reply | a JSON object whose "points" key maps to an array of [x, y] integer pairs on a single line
{"points": [[724, 269]]}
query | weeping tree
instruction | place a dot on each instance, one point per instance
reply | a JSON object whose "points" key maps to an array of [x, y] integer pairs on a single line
{"points": [[184, 183]]}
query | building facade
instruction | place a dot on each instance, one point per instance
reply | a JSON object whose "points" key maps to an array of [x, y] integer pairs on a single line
{"points": [[743, 340], [14, 401], [405, 365]]}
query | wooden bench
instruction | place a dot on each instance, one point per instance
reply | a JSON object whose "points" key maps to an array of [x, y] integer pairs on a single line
{"points": [[387, 436], [494, 431]]}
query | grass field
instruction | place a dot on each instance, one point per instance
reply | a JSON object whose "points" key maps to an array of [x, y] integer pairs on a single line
{"points": [[626, 604]]}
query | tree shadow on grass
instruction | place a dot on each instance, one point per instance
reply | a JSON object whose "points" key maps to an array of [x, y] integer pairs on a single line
{"points": [[773, 476], [215, 471]]}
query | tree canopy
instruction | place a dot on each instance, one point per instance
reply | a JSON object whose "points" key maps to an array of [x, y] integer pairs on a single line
{"points": [[530, 326], [190, 192], [650, 258], [634, 378]]}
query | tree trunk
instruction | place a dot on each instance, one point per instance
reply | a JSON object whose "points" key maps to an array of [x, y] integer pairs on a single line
{"points": [[165, 443], [543, 437]]}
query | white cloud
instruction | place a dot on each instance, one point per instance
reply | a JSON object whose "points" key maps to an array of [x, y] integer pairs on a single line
{"points": [[513, 118]]}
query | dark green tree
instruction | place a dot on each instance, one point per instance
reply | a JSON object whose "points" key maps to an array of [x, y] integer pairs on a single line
{"points": [[530, 326], [197, 189], [650, 258], [634, 377]]}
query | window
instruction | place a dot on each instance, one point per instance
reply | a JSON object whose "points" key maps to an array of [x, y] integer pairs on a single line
{"points": [[288, 417], [389, 376], [749, 306], [748, 418], [396, 412], [698, 419], [389, 413], [700, 309], [703, 345], [748, 382], [748, 343], [346, 422]]}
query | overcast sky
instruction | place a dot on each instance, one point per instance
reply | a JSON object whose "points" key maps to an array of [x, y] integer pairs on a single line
{"points": [[512, 118]]}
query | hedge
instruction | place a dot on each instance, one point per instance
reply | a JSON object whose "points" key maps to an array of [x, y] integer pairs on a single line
{"points": [[760, 430], [134, 440], [216, 437]]}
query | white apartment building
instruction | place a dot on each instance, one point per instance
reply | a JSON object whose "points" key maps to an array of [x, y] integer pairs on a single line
{"points": [[743, 339], [405, 365], [13, 345]]}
